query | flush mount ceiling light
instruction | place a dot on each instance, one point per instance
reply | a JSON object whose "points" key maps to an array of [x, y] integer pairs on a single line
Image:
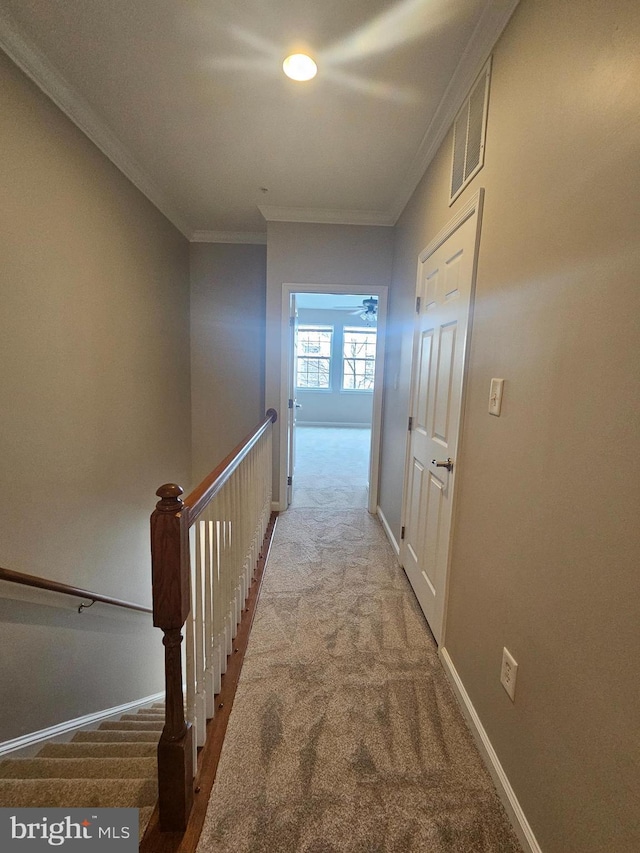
{"points": [[300, 67]]}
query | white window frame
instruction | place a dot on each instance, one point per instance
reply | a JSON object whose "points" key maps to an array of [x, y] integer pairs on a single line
{"points": [[359, 330], [311, 357]]}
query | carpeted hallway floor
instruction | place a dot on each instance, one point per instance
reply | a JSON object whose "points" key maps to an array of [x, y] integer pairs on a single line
{"points": [[332, 467], [345, 735]]}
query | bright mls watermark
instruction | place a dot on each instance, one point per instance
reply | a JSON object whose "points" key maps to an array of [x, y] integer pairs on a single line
{"points": [[79, 830]]}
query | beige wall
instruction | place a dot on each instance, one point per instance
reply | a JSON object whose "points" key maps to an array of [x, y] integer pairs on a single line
{"points": [[228, 291], [94, 413], [546, 545], [325, 255]]}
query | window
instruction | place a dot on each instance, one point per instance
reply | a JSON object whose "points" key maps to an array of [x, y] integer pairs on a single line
{"points": [[313, 356], [358, 359]]}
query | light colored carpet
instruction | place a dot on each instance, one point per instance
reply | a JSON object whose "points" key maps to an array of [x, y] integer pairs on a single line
{"points": [[332, 467], [113, 766], [345, 735]]}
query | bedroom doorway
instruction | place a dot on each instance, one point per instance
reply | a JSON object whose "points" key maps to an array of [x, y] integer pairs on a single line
{"points": [[334, 361]]}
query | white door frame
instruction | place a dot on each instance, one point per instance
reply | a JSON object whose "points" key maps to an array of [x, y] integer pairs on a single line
{"points": [[473, 206], [379, 291]]}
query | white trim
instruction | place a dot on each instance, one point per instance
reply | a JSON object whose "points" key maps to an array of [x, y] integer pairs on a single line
{"points": [[340, 425], [254, 237], [493, 20], [78, 723], [381, 292], [319, 216], [387, 529], [35, 65], [505, 791], [474, 204]]}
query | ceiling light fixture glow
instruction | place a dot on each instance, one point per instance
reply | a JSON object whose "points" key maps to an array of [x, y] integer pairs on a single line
{"points": [[300, 67]]}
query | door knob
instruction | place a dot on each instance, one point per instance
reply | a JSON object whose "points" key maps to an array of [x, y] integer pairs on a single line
{"points": [[448, 464]]}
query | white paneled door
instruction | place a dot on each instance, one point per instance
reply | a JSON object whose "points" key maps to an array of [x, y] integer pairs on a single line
{"points": [[446, 277]]}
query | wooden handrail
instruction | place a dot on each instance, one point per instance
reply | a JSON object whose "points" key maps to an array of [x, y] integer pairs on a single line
{"points": [[211, 485], [65, 589], [171, 579]]}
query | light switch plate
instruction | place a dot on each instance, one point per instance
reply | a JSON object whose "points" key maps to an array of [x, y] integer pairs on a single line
{"points": [[495, 397]]}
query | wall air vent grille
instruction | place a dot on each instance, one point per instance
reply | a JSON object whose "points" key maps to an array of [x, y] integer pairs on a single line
{"points": [[469, 130]]}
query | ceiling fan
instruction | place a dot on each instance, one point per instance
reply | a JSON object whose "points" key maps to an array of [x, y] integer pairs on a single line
{"points": [[369, 310]]}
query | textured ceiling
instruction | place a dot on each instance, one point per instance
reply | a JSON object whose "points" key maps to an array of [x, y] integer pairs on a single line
{"points": [[188, 97]]}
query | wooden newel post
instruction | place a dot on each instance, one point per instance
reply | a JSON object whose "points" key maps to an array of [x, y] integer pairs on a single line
{"points": [[171, 604]]}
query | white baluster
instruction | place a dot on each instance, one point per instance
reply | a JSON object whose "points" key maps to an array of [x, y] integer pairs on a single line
{"points": [[197, 562], [227, 574], [218, 617], [190, 644], [208, 614]]}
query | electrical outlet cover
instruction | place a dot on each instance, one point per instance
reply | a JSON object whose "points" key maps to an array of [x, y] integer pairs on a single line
{"points": [[508, 673]]}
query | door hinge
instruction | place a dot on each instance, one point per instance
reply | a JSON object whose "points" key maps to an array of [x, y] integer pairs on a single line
{"points": [[410, 426], [289, 481], [291, 404], [402, 534], [292, 321], [417, 304]]}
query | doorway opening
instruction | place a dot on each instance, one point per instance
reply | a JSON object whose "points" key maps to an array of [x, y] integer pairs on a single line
{"points": [[334, 381]]}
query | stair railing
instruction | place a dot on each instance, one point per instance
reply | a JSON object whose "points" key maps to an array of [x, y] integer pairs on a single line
{"points": [[66, 589], [204, 551]]}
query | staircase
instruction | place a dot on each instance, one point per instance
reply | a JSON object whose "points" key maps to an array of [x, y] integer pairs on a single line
{"points": [[113, 766]]}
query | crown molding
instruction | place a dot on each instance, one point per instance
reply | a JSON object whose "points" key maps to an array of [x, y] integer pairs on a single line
{"points": [[27, 57], [30, 60], [494, 19], [254, 237], [319, 216]]}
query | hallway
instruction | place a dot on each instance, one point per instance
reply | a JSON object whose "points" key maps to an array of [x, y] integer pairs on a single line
{"points": [[345, 735]]}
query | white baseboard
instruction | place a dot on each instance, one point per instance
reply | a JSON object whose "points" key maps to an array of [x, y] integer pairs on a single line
{"points": [[78, 723], [505, 791], [389, 532], [365, 425]]}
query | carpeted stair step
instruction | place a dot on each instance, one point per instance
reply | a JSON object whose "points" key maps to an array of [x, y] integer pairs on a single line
{"points": [[99, 750], [143, 718], [130, 726], [78, 768], [67, 793], [106, 736], [112, 766]]}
